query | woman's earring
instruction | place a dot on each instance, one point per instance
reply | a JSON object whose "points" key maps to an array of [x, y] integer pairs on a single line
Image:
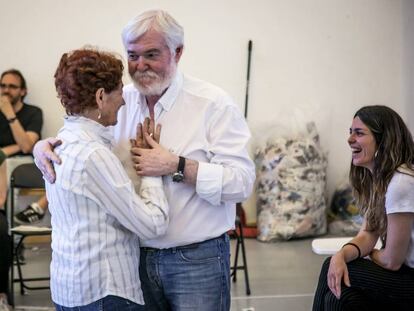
{"points": [[376, 153], [99, 115]]}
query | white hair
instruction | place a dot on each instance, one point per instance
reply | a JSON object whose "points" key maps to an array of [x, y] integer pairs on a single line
{"points": [[159, 21]]}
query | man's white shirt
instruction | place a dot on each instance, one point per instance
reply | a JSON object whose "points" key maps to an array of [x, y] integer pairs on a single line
{"points": [[199, 122]]}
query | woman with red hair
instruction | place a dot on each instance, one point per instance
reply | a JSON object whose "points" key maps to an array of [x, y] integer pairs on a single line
{"points": [[96, 215]]}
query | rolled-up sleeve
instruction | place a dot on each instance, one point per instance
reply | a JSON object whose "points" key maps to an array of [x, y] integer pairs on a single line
{"points": [[230, 173]]}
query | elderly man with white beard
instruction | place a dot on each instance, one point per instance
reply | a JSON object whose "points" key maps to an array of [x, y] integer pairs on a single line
{"points": [[202, 157]]}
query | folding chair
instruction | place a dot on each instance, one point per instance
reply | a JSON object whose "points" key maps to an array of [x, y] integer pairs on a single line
{"points": [[25, 176], [238, 235]]}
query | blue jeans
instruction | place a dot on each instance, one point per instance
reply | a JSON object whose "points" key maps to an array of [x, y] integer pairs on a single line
{"points": [[108, 303], [191, 277]]}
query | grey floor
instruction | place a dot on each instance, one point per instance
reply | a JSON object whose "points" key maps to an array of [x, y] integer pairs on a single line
{"points": [[282, 276]]}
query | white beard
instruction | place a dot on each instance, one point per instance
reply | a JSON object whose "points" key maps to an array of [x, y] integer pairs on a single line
{"points": [[159, 84]]}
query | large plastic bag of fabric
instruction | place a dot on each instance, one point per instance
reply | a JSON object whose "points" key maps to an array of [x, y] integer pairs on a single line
{"points": [[343, 216], [291, 183]]}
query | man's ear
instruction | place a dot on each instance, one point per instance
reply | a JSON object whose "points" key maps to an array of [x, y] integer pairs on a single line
{"points": [[99, 97], [178, 53], [23, 92]]}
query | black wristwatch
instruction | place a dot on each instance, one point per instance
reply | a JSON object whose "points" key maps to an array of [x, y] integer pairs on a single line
{"points": [[11, 120], [178, 176]]}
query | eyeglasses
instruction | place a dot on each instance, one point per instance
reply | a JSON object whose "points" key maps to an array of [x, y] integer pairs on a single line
{"points": [[9, 86]]}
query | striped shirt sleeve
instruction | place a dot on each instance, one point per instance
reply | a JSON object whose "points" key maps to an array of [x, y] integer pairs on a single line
{"points": [[107, 183]]}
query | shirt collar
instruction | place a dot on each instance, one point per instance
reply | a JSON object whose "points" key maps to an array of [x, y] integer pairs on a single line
{"points": [[79, 123]]}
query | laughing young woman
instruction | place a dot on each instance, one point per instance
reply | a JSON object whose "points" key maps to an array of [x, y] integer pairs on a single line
{"points": [[360, 277]]}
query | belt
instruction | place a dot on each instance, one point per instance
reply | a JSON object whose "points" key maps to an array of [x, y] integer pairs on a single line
{"points": [[176, 248]]}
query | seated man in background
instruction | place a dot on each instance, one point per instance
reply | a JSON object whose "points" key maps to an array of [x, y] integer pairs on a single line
{"points": [[20, 126]]}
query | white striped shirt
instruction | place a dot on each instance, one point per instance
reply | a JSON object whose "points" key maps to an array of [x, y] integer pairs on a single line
{"points": [[97, 218]]}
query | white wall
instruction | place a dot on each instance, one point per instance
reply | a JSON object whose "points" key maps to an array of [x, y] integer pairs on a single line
{"points": [[407, 61], [325, 58]]}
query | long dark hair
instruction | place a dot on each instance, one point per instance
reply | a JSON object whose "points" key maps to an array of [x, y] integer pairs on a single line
{"points": [[395, 149]]}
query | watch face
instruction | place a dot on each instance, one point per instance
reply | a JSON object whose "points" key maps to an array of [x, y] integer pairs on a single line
{"points": [[178, 177]]}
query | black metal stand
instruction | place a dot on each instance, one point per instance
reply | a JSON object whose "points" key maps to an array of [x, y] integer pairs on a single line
{"points": [[240, 245]]}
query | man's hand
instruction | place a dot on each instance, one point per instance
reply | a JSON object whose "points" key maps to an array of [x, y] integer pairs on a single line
{"points": [[156, 161], [6, 107], [45, 157], [149, 128]]}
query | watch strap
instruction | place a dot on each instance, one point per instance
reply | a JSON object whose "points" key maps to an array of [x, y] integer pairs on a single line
{"points": [[11, 120], [181, 165]]}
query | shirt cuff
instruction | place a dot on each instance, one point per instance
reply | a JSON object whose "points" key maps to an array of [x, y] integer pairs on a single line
{"points": [[210, 182], [151, 182]]}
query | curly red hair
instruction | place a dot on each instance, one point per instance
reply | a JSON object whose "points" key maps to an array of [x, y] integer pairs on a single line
{"points": [[81, 73]]}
